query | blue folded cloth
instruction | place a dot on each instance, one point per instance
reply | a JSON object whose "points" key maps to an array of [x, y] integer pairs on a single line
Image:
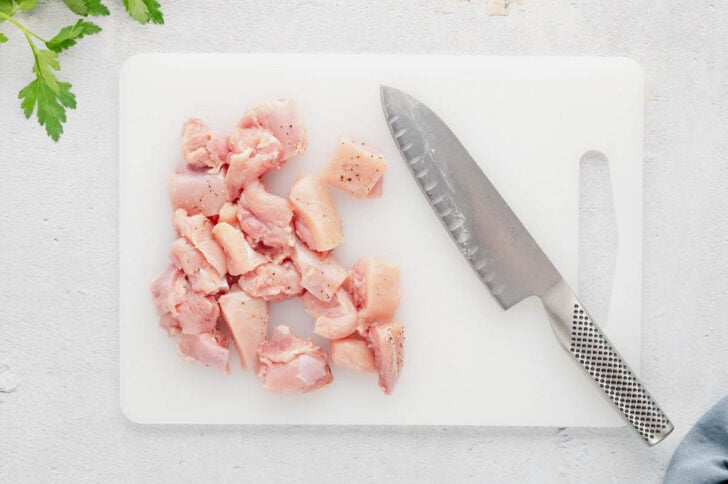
{"points": [[702, 456]]}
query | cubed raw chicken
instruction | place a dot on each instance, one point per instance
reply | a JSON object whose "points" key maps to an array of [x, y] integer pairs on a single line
{"points": [[247, 322], [283, 346], [353, 354], [356, 169], [201, 148], [387, 342], [269, 208], [229, 214], [289, 364], [170, 324], [240, 257], [186, 257], [336, 318], [266, 220], [234, 233], [272, 282], [209, 349], [180, 308], [321, 275], [198, 230], [197, 192], [197, 313], [201, 275], [270, 240], [168, 289], [253, 152], [280, 117], [374, 287], [317, 222]]}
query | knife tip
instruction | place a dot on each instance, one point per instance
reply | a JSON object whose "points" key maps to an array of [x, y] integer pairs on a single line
{"points": [[384, 94], [391, 95], [387, 95]]}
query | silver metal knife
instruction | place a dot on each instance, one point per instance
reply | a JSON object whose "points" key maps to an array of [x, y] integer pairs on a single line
{"points": [[505, 257]]}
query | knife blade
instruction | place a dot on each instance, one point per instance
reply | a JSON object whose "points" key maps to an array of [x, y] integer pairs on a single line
{"points": [[506, 258]]}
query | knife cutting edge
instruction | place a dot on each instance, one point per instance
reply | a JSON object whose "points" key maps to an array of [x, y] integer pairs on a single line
{"points": [[505, 257]]}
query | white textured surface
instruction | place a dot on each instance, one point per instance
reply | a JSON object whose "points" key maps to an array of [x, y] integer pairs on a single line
{"points": [[58, 247], [513, 98]]}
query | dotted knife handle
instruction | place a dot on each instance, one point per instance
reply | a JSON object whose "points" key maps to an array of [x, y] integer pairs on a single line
{"points": [[591, 349]]}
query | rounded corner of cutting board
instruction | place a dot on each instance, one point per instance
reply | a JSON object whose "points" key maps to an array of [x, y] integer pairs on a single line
{"points": [[131, 413], [631, 68]]}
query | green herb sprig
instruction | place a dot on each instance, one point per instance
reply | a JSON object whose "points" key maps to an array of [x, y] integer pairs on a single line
{"points": [[46, 95]]}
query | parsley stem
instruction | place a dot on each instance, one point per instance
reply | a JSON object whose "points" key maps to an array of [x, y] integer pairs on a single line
{"points": [[22, 27], [33, 48], [27, 33]]}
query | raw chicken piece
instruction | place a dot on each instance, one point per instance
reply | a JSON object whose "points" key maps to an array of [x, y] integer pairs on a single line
{"points": [[272, 282], [356, 169], [179, 307], [280, 117], [185, 257], [197, 192], [378, 189], [270, 209], [317, 222], [387, 342], [266, 220], [197, 314], [291, 365], [198, 230], [374, 287], [207, 282], [305, 373], [229, 214], [253, 152], [170, 324], [283, 346], [336, 318], [240, 256], [270, 240], [247, 321], [321, 275], [168, 290], [201, 148], [201, 275], [209, 349], [352, 353]]}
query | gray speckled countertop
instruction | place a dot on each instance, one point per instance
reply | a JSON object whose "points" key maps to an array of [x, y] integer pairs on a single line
{"points": [[58, 246]]}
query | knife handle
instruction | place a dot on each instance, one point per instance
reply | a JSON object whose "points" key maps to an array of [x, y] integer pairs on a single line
{"points": [[590, 348]]}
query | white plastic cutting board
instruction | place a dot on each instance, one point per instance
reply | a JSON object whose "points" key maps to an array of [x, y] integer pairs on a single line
{"points": [[526, 120]]}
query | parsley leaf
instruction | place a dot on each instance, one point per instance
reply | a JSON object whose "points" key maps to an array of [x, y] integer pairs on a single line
{"points": [[7, 7], [3, 38], [45, 63], [51, 104], [144, 11], [49, 95], [25, 4], [87, 7], [68, 36]]}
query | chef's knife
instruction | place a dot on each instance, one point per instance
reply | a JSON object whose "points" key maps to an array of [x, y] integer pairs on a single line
{"points": [[507, 259]]}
